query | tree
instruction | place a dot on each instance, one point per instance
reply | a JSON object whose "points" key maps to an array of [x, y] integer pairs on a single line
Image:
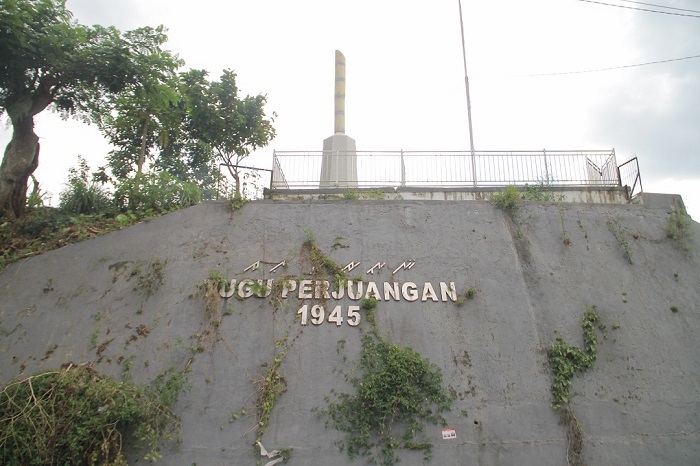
{"points": [[232, 126], [46, 58], [150, 123]]}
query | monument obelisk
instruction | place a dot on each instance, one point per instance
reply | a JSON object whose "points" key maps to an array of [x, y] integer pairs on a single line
{"points": [[339, 161]]}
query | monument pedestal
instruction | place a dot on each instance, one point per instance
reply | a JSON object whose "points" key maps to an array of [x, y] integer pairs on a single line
{"points": [[339, 162]]}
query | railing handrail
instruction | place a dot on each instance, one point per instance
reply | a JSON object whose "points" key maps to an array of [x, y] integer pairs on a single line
{"points": [[548, 152], [442, 168]]}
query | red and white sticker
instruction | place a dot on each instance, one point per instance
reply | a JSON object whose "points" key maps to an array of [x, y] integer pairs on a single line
{"points": [[449, 433]]}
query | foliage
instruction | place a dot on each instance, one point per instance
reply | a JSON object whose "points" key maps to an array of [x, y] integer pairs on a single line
{"points": [[369, 305], [678, 228], [156, 193], [76, 416], [397, 391], [230, 125], [146, 112], [565, 360], [81, 196], [49, 59], [507, 199]]}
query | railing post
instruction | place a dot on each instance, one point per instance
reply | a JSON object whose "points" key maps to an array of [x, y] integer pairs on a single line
{"points": [[639, 175], [272, 173], [403, 170]]}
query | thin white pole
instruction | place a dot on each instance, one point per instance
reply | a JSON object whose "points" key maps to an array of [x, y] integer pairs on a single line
{"points": [[469, 102]]}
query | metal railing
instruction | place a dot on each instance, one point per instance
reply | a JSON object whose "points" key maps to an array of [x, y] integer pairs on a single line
{"points": [[630, 178], [573, 168]]}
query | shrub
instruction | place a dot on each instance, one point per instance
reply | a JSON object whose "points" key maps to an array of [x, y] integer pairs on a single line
{"points": [[159, 193], [507, 199], [82, 196]]}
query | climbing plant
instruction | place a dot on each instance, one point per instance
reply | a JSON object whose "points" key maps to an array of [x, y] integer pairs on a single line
{"points": [[566, 360], [396, 392]]}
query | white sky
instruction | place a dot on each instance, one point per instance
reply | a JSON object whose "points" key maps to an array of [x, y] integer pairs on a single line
{"points": [[405, 80]]}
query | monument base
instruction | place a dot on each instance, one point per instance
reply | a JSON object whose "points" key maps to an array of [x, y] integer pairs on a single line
{"points": [[339, 162]]}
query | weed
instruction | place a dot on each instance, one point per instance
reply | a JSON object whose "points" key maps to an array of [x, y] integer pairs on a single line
{"points": [[91, 412], [351, 194], [339, 243], [126, 367], [674, 309], [507, 199], [374, 194], [540, 191], [678, 228], [468, 295], [320, 263], [270, 386], [152, 279], [49, 286], [618, 231], [94, 336], [209, 290], [259, 289], [564, 234], [236, 202]]}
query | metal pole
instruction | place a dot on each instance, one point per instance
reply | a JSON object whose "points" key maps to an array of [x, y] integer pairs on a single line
{"points": [[469, 102]]}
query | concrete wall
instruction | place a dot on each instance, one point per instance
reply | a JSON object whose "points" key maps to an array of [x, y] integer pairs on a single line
{"points": [[534, 272]]}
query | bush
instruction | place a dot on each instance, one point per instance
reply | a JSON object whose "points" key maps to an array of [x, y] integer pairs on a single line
{"points": [[159, 193], [81, 196], [75, 416]]}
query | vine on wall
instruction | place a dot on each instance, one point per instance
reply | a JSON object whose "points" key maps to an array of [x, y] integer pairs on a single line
{"points": [[566, 360]]}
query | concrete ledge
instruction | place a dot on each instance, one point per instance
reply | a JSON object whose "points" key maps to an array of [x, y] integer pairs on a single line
{"points": [[589, 195], [667, 202]]}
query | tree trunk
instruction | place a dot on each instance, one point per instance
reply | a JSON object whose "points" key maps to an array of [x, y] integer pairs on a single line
{"points": [[142, 153], [20, 160]]}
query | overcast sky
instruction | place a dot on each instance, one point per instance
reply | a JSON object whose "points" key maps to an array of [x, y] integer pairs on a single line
{"points": [[405, 79]]}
